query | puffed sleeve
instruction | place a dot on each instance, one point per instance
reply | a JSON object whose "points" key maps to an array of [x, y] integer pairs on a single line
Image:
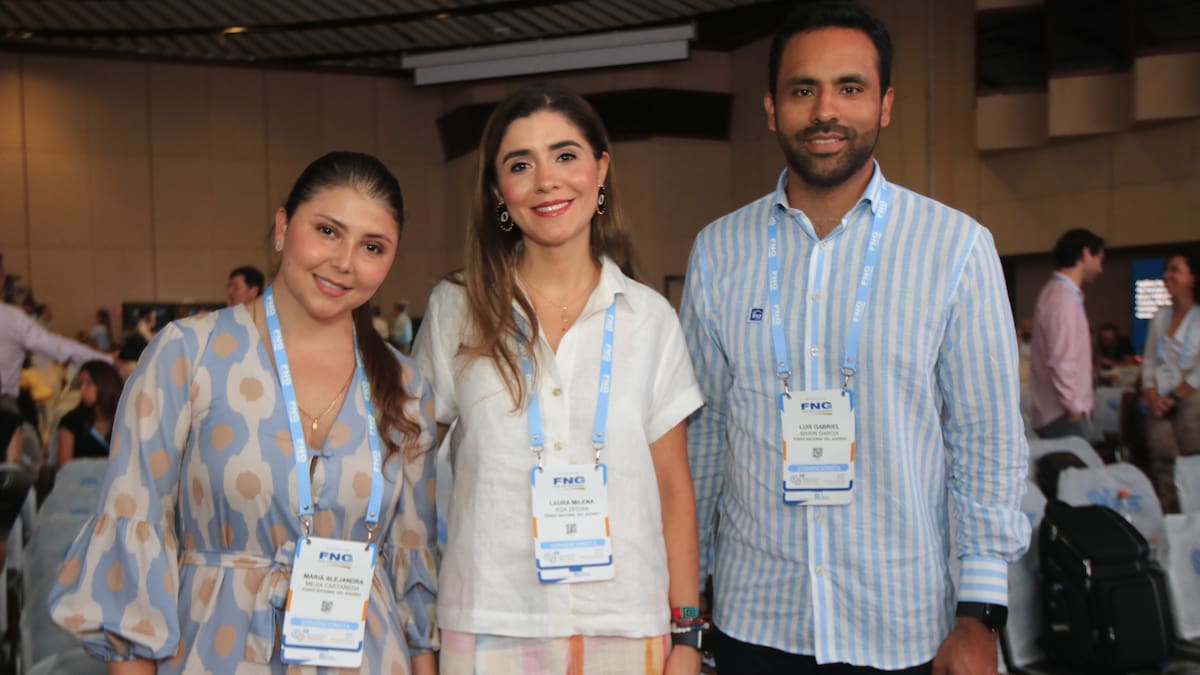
{"points": [[117, 589], [412, 539], [437, 344]]}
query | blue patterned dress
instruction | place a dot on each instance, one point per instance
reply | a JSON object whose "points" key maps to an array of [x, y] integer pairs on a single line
{"points": [[188, 557]]}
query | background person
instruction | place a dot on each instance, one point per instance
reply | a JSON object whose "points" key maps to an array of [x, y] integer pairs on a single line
{"points": [[86, 431], [1060, 367], [1112, 348], [245, 284], [1171, 376], [101, 336], [402, 327]]}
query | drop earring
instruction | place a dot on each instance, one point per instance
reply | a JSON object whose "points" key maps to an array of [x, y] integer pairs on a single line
{"points": [[278, 246], [602, 202], [504, 217]]}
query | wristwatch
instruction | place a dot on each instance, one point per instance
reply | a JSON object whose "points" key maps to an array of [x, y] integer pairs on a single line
{"points": [[992, 616], [696, 636]]}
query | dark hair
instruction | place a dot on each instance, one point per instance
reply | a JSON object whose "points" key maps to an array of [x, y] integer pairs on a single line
{"points": [[1069, 248], [1108, 325], [370, 178], [492, 253], [810, 16], [1192, 257], [108, 390], [105, 319], [253, 276], [132, 348]]}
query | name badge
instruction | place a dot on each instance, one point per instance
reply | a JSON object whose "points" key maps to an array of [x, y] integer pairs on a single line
{"points": [[571, 538], [326, 614], [818, 447]]}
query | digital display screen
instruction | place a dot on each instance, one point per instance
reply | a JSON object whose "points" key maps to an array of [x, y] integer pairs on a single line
{"points": [[1149, 294]]}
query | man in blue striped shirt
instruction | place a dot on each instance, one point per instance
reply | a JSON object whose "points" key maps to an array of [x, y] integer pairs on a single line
{"points": [[855, 345]]}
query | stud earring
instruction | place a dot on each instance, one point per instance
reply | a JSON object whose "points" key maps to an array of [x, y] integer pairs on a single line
{"points": [[278, 245], [602, 202], [504, 217]]}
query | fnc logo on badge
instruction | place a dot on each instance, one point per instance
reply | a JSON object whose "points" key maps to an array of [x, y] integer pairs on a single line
{"points": [[817, 407], [756, 314], [336, 558], [570, 482]]}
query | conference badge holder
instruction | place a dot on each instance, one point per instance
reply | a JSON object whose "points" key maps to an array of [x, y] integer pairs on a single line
{"points": [[571, 535], [818, 447], [326, 614]]}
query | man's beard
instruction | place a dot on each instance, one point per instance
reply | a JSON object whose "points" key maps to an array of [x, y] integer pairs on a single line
{"points": [[858, 152]]}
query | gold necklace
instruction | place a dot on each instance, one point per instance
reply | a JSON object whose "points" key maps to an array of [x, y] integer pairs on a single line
{"points": [[565, 310], [329, 407]]}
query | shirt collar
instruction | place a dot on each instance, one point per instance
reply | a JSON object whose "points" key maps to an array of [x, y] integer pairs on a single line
{"points": [[1070, 283], [613, 282], [869, 195]]}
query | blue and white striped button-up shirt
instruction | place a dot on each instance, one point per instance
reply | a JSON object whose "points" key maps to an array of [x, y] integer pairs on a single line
{"points": [[939, 432]]}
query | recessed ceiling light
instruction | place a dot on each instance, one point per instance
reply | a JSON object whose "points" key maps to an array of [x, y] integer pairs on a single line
{"points": [[234, 30], [442, 16]]}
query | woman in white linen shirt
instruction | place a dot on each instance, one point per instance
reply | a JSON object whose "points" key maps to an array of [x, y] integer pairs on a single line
{"points": [[1171, 376], [547, 256]]}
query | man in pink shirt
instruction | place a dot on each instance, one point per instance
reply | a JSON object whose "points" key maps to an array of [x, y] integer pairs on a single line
{"points": [[1060, 365]]}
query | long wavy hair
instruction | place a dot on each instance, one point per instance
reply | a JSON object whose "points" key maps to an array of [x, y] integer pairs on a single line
{"points": [[370, 178], [492, 254], [109, 386]]}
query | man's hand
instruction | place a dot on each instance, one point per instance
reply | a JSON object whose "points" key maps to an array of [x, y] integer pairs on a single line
{"points": [[682, 660], [970, 649]]}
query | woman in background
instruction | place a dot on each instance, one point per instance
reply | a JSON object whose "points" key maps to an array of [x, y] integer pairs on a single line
{"points": [[86, 431], [515, 350], [1171, 376], [100, 336]]}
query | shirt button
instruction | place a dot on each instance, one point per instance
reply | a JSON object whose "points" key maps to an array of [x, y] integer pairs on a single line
{"points": [[558, 446], [824, 245], [819, 517], [815, 351], [557, 391], [816, 297], [820, 571]]}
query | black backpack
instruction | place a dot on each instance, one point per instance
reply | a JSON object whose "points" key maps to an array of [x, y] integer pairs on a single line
{"points": [[1106, 604]]}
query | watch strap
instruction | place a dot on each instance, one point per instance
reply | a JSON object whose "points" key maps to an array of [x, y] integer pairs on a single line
{"points": [[992, 616]]}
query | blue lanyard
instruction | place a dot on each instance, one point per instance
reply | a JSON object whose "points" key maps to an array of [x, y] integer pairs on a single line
{"points": [[783, 368], [536, 441], [99, 439], [1070, 284], [300, 445]]}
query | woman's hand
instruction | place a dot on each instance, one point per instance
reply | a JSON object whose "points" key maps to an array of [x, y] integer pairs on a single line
{"points": [[424, 663], [682, 660], [1155, 405]]}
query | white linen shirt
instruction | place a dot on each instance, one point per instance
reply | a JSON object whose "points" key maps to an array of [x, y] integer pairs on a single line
{"points": [[1171, 359], [488, 579]]}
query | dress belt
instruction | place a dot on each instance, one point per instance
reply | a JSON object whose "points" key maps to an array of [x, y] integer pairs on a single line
{"points": [[266, 615]]}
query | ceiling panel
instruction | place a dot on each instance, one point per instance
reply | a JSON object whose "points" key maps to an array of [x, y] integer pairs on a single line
{"points": [[358, 34]]}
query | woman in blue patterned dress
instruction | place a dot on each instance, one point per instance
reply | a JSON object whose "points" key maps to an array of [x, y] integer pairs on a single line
{"points": [[186, 566]]}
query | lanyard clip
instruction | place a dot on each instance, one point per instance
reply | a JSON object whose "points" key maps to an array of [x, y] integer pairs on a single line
{"points": [[372, 530], [306, 524], [847, 375], [597, 447], [537, 453], [785, 376]]}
